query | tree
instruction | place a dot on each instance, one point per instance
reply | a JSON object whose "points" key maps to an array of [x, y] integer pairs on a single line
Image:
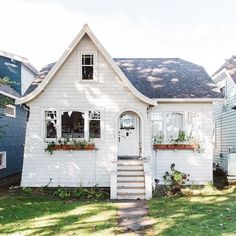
{"points": [[4, 100]]}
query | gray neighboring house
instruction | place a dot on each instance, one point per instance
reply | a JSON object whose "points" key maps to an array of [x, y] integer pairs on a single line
{"points": [[225, 118]]}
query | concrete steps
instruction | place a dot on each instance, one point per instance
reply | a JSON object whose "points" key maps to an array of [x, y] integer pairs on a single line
{"points": [[130, 179]]}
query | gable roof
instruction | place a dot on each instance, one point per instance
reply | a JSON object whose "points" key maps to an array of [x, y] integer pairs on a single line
{"points": [[159, 78], [85, 30], [168, 78], [21, 59], [230, 66]]}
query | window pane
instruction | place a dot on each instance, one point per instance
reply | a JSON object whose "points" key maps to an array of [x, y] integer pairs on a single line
{"points": [[50, 122], [174, 124], [157, 127], [72, 124], [94, 129], [87, 60], [87, 72], [9, 110], [127, 122], [94, 115]]}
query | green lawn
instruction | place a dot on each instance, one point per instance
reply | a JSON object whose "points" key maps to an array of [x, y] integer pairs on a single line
{"points": [[211, 214], [30, 214]]}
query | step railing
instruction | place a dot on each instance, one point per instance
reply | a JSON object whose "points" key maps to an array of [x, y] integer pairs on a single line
{"points": [[147, 177], [113, 190]]}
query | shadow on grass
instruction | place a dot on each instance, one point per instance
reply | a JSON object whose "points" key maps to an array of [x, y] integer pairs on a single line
{"points": [[197, 215], [39, 215]]}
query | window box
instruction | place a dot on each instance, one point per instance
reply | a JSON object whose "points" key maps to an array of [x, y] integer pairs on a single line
{"points": [[160, 146], [175, 146], [72, 147], [191, 146], [61, 145]]}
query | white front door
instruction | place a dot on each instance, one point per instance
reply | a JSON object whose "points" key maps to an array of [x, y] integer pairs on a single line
{"points": [[128, 135]]}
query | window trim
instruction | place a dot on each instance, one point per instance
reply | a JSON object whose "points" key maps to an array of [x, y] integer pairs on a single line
{"points": [[95, 74], [164, 122], [9, 115], [4, 165], [86, 122]]}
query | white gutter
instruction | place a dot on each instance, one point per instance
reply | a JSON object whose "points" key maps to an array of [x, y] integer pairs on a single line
{"points": [[189, 100]]}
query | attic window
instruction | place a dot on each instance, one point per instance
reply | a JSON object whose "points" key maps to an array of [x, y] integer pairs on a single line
{"points": [[87, 67]]}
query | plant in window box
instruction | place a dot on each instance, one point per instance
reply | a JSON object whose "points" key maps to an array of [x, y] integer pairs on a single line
{"points": [[157, 142], [69, 144]]}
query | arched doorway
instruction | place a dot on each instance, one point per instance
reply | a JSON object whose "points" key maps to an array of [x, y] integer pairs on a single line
{"points": [[128, 135]]}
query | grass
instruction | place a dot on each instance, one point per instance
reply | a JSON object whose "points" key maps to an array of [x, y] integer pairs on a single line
{"points": [[31, 214], [212, 213]]}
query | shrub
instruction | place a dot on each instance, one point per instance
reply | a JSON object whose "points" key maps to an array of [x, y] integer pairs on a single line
{"points": [[176, 179]]}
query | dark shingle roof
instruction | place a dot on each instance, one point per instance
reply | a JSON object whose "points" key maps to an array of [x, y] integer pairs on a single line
{"points": [[230, 66], [39, 77], [159, 78], [6, 89], [168, 78]]}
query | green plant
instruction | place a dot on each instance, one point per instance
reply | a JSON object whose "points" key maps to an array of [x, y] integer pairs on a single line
{"points": [[176, 179], [77, 144], [80, 193], [181, 137], [50, 147], [27, 190], [62, 193]]}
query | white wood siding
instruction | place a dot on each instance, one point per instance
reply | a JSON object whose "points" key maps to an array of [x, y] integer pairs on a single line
{"points": [[65, 90], [225, 125], [198, 165]]}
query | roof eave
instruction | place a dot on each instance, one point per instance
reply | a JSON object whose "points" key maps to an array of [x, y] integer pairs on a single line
{"points": [[189, 100]]}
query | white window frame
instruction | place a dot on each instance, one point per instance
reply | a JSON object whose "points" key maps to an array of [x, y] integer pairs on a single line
{"points": [[60, 111], [4, 161], [14, 111], [164, 122], [95, 73]]}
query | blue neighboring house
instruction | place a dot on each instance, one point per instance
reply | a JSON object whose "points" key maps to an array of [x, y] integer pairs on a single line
{"points": [[13, 118]]}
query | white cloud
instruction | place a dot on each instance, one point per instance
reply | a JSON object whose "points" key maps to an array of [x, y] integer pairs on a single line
{"points": [[41, 31]]}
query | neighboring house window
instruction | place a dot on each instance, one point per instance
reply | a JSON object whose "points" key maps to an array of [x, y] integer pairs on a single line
{"points": [[94, 124], [10, 110], [72, 124], [174, 123], [51, 124], [3, 160], [87, 66]]}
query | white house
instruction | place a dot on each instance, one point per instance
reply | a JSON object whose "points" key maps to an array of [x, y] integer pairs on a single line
{"points": [[225, 117], [124, 105]]}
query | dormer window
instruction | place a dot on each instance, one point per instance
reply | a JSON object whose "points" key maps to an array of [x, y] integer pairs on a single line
{"points": [[87, 67]]}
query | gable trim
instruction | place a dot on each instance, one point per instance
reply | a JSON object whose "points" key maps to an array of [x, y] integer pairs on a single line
{"points": [[66, 54]]}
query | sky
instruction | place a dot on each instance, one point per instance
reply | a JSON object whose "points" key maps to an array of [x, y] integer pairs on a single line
{"points": [[200, 31]]}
